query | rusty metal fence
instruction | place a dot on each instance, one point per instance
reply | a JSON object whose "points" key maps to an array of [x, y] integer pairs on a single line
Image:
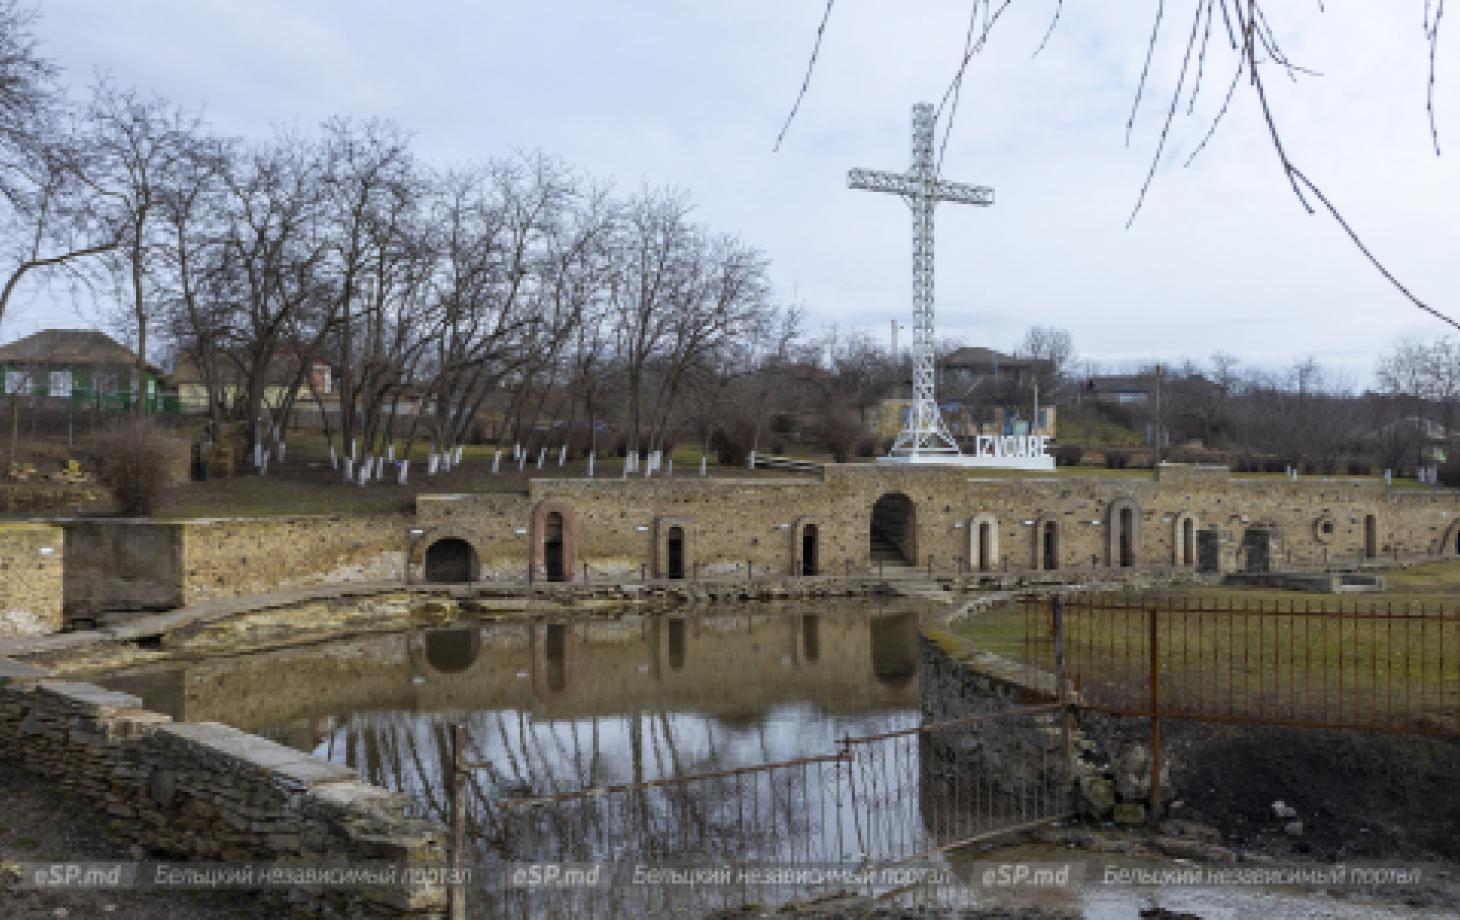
{"points": [[877, 800], [1361, 664]]}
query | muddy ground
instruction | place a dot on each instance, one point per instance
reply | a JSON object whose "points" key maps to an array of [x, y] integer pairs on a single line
{"points": [[1358, 795]]}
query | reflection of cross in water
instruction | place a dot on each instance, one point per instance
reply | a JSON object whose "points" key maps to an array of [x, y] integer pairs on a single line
{"points": [[921, 188]]}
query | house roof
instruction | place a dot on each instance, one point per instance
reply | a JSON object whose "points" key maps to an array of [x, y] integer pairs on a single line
{"points": [[980, 357], [69, 347], [1120, 383]]}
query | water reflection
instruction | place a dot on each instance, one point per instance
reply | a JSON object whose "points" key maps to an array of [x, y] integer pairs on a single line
{"points": [[697, 688], [559, 707]]}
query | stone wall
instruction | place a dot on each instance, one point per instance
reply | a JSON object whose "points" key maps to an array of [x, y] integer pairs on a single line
{"points": [[1023, 755], [228, 557], [121, 565], [209, 792], [31, 570], [732, 523]]}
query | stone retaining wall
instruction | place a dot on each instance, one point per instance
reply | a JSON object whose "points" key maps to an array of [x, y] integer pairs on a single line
{"points": [[229, 557], [208, 792], [31, 568], [1014, 755], [617, 526]]}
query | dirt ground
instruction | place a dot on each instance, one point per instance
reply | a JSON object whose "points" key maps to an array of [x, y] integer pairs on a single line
{"points": [[36, 825], [1359, 795]]}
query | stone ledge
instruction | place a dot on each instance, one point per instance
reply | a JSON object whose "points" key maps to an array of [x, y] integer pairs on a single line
{"points": [[269, 757], [12, 670], [89, 696]]}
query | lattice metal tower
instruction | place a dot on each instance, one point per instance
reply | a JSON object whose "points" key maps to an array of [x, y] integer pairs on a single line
{"points": [[921, 188]]}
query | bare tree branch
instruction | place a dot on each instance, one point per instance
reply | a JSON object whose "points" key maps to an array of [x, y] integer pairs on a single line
{"points": [[806, 82]]}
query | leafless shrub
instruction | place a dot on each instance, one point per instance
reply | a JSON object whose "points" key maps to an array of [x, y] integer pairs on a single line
{"points": [[135, 462]]}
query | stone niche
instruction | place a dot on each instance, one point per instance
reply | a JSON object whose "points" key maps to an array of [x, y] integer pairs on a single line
{"points": [[1261, 548], [1216, 552]]}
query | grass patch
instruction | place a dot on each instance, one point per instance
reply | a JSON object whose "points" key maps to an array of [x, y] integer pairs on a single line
{"points": [[1275, 656]]}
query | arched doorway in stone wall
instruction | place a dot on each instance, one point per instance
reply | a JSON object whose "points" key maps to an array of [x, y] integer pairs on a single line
{"points": [[810, 565], [1046, 538], [983, 543], [1371, 536], [1183, 540], [552, 546], [674, 553], [893, 531], [1123, 527], [554, 541], [450, 561]]}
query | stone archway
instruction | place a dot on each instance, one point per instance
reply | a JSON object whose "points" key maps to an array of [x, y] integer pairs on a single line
{"points": [[1123, 530], [450, 560], [554, 541], [983, 542], [892, 536], [1183, 540]]}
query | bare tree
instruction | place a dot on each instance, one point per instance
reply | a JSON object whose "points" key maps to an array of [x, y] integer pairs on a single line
{"points": [[49, 220], [1242, 32], [141, 146], [1051, 345]]}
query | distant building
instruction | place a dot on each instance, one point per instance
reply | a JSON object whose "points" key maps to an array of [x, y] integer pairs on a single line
{"points": [[981, 392], [1119, 388], [192, 389], [968, 368], [79, 367]]}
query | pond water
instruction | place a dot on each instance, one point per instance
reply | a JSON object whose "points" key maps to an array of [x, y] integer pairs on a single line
{"points": [[635, 701], [560, 706]]}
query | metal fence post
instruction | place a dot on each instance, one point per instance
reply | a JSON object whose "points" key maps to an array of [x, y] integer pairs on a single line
{"points": [[458, 820], [1155, 642], [1061, 687]]}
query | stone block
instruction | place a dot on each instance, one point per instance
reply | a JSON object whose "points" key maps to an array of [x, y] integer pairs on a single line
{"points": [[1129, 814], [1097, 796], [12, 671]]}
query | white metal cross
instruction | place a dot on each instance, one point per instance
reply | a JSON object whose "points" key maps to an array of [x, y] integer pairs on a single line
{"points": [[921, 188]]}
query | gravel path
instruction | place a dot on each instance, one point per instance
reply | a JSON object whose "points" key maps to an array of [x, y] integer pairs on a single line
{"points": [[38, 824]]}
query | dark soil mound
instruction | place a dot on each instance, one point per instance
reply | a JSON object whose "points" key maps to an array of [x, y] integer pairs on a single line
{"points": [[1359, 795]]}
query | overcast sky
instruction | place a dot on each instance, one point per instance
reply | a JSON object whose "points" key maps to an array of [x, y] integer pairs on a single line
{"points": [[692, 94]]}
